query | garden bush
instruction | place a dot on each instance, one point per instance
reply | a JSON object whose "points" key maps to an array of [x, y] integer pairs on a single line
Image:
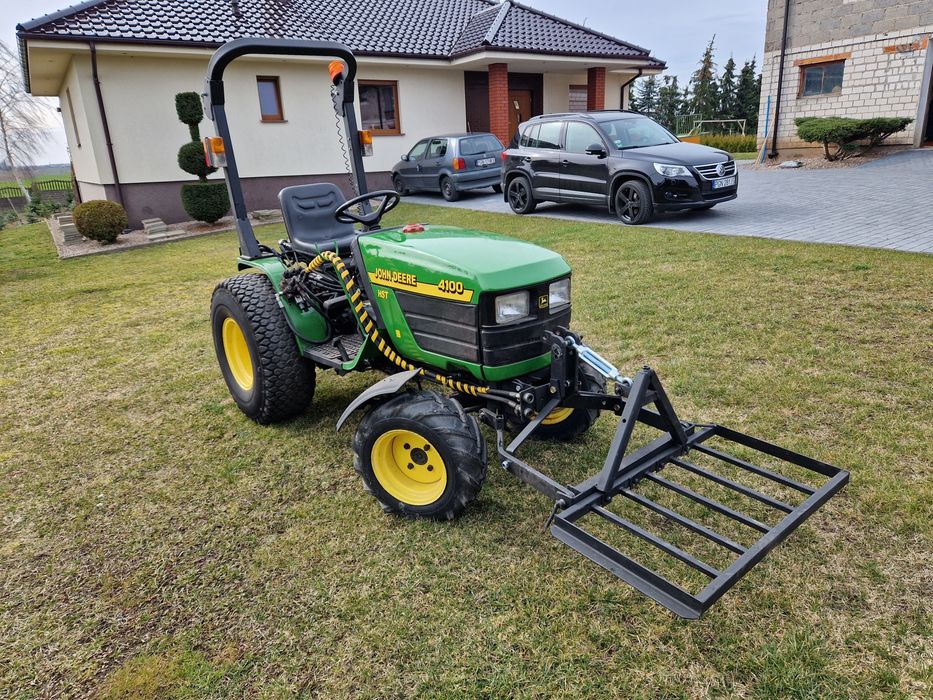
{"points": [[100, 220], [735, 143], [843, 137], [205, 201]]}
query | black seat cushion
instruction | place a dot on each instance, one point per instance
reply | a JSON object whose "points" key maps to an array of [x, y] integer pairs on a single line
{"points": [[309, 218]]}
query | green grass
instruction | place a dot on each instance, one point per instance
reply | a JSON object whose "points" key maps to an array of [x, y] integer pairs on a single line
{"points": [[156, 544], [744, 156]]}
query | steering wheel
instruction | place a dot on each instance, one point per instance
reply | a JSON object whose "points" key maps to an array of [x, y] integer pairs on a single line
{"points": [[389, 200]]}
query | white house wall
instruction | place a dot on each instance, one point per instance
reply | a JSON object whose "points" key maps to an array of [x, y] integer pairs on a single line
{"points": [[557, 89], [78, 85], [139, 93]]}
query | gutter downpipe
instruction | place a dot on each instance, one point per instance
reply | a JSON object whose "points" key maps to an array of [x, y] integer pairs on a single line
{"points": [[105, 124], [625, 85], [780, 85]]}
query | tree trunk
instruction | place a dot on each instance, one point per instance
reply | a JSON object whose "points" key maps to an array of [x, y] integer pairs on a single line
{"points": [[9, 158]]}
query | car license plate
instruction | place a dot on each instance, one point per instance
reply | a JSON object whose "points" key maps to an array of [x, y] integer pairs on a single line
{"points": [[485, 161], [723, 182]]}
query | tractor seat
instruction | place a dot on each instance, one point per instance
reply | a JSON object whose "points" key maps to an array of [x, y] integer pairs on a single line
{"points": [[309, 219]]}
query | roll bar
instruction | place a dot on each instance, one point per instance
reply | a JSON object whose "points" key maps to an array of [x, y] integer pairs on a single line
{"points": [[214, 106]]}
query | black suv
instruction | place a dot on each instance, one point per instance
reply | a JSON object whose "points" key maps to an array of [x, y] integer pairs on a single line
{"points": [[616, 159]]}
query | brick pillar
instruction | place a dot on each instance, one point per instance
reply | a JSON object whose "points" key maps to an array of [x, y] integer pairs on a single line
{"points": [[499, 101], [596, 88]]}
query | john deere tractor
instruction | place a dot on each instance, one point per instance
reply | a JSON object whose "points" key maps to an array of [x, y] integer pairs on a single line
{"points": [[472, 327]]}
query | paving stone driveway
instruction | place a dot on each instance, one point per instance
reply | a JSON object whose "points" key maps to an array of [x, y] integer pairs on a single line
{"points": [[887, 203]]}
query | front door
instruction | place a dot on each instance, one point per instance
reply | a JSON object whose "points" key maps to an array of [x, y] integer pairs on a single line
{"points": [[583, 177], [519, 109], [429, 177]]}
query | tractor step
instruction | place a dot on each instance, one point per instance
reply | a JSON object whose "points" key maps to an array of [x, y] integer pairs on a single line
{"points": [[702, 528], [337, 351], [685, 516]]}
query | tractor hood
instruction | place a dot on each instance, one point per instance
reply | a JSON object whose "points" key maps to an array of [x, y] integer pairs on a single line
{"points": [[455, 263]]}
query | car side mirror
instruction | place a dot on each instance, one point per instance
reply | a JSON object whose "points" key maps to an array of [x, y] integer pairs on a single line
{"points": [[405, 156], [596, 149]]}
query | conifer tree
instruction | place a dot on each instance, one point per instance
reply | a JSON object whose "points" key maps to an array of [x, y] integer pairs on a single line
{"points": [[704, 86]]}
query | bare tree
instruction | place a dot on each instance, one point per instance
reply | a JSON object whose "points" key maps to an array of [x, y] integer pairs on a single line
{"points": [[23, 126]]}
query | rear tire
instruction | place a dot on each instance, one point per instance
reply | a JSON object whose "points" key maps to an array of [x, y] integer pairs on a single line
{"points": [[497, 189], [520, 196], [267, 376], [420, 456], [399, 186], [448, 190], [633, 203]]}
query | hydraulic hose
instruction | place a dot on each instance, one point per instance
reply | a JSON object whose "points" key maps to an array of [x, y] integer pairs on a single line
{"points": [[369, 328]]}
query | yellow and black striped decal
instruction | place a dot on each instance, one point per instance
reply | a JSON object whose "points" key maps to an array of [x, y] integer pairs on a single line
{"points": [[452, 290]]}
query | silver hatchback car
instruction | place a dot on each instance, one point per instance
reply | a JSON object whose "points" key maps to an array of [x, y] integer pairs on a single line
{"points": [[450, 164]]}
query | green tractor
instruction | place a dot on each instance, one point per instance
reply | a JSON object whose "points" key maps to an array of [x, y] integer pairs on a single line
{"points": [[483, 319]]}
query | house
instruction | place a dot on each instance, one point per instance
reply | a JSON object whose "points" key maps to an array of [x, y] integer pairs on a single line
{"points": [[426, 67], [847, 58]]}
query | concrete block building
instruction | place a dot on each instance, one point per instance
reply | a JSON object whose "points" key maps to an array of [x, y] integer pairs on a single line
{"points": [[848, 58]]}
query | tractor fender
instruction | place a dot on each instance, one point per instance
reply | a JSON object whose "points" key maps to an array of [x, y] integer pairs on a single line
{"points": [[390, 385]]}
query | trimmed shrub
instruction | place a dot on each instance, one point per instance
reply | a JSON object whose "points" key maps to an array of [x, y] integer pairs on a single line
{"points": [[191, 160], [732, 143], [205, 201], [189, 110], [843, 137], [100, 220]]}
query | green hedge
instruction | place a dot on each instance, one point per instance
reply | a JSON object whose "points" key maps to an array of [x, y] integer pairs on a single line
{"points": [[843, 137], [100, 220], [205, 201], [191, 160], [732, 144]]}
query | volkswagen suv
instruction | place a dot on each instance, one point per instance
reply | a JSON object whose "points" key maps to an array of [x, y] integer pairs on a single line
{"points": [[616, 159]]}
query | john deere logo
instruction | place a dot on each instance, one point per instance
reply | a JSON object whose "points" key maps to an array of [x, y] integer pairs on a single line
{"points": [[721, 169], [542, 301]]}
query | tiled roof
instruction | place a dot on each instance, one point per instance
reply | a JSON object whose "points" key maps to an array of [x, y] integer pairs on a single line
{"points": [[416, 28]]}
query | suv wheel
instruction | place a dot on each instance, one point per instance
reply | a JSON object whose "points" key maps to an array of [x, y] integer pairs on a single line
{"points": [[448, 191], [520, 196], [633, 203]]}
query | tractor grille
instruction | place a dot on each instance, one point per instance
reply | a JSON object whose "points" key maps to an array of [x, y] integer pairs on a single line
{"points": [[710, 172], [448, 328]]}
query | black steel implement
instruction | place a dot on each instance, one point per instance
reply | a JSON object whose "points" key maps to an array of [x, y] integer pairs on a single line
{"points": [[664, 470]]}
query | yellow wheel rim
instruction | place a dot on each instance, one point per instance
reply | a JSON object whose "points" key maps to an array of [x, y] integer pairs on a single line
{"points": [[558, 415], [237, 353], [409, 467]]}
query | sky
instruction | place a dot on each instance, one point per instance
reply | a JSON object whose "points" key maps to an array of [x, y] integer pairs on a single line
{"points": [[675, 31]]}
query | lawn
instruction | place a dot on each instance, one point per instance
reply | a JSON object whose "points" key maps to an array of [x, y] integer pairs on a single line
{"points": [[156, 544]]}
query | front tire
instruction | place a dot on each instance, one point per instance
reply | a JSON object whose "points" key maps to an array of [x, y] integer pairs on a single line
{"points": [[448, 190], [520, 196], [267, 376], [633, 203], [420, 456], [564, 424]]}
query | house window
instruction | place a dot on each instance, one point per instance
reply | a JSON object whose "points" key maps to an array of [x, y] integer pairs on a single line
{"points": [[379, 107], [270, 98], [822, 79], [71, 112]]}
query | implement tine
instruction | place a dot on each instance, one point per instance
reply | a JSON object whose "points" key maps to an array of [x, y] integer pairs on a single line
{"points": [[685, 521], [709, 503], [738, 488]]}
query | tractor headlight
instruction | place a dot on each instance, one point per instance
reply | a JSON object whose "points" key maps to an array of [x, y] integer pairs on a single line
{"points": [[668, 170], [558, 294], [512, 307]]}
